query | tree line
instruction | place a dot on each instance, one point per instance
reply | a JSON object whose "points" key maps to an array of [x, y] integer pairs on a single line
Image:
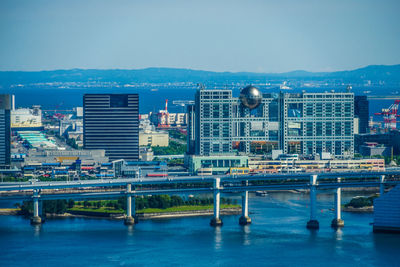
{"points": [[141, 202]]}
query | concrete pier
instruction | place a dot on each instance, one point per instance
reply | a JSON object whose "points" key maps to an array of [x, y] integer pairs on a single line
{"points": [[245, 219], [129, 220], [313, 223], [337, 221], [35, 220], [216, 221]]}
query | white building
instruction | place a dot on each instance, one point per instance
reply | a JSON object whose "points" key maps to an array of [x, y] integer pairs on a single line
{"points": [[26, 117]]}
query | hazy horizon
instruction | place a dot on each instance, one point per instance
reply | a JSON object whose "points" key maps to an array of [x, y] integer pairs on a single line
{"points": [[105, 69], [235, 36]]}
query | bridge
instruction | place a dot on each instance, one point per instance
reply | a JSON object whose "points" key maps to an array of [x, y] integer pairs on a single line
{"points": [[219, 184]]}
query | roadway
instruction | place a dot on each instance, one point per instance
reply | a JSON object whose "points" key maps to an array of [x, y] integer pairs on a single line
{"points": [[190, 179], [229, 184]]}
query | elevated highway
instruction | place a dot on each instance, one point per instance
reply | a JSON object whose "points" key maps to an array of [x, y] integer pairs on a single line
{"points": [[222, 184]]}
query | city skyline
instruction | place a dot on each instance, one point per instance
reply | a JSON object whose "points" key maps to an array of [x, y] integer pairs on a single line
{"points": [[255, 36]]}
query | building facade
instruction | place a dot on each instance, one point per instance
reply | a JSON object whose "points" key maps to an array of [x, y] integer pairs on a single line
{"points": [[256, 123], [111, 122], [312, 123], [361, 110], [221, 124], [153, 138], [26, 117], [5, 130]]}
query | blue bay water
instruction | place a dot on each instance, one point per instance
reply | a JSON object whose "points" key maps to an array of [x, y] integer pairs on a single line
{"points": [[149, 101], [277, 237]]}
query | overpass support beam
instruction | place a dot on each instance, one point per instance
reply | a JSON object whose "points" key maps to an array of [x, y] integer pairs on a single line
{"points": [[129, 220], [313, 223], [382, 185], [36, 220], [245, 219], [337, 221], [216, 221]]}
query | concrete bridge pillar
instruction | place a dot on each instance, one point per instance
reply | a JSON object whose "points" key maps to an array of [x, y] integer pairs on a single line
{"points": [[382, 185], [35, 220], [216, 221], [245, 219], [313, 223], [129, 220], [337, 221]]}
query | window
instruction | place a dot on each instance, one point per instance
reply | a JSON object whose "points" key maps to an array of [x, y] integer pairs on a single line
{"points": [[225, 111], [347, 128], [347, 109], [225, 130], [328, 147], [309, 129], [206, 130], [215, 148], [215, 130], [215, 111], [309, 110], [338, 148], [338, 109], [206, 110], [338, 128], [328, 128], [309, 148], [318, 110], [328, 110], [318, 128]]}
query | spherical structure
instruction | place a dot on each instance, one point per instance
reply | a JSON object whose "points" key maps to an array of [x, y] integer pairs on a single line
{"points": [[250, 97]]}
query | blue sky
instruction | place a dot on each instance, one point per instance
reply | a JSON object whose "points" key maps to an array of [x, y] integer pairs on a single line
{"points": [[251, 35]]}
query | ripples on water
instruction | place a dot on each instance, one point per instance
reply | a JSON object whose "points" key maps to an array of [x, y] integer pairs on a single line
{"points": [[278, 236]]}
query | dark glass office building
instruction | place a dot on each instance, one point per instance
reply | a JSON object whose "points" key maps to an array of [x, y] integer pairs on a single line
{"points": [[5, 130], [111, 122], [361, 110]]}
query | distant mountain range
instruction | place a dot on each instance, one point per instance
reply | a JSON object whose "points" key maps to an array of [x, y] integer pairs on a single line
{"points": [[376, 74]]}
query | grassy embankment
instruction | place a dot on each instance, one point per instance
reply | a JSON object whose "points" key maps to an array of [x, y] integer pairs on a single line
{"points": [[151, 210]]}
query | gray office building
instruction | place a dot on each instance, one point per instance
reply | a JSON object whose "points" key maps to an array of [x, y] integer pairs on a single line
{"points": [[256, 123], [221, 124], [5, 130], [312, 123], [111, 122]]}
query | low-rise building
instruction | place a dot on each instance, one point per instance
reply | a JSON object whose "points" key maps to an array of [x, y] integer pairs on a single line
{"points": [[275, 166], [23, 118], [221, 164], [153, 138]]}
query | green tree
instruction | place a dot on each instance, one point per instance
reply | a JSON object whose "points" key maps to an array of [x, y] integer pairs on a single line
{"points": [[71, 203]]}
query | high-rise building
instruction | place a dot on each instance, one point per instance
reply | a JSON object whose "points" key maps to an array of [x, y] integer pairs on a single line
{"points": [[111, 122], [5, 130], [312, 123], [361, 110], [304, 123], [221, 124]]}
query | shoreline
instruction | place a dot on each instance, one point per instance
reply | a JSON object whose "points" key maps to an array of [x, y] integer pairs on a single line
{"points": [[367, 209], [121, 216]]}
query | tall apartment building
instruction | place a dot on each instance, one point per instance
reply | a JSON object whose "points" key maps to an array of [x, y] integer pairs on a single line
{"points": [[5, 130], [305, 123], [361, 110], [111, 122]]}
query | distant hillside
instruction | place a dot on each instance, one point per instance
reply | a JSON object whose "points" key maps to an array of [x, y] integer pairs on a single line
{"points": [[374, 73]]}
